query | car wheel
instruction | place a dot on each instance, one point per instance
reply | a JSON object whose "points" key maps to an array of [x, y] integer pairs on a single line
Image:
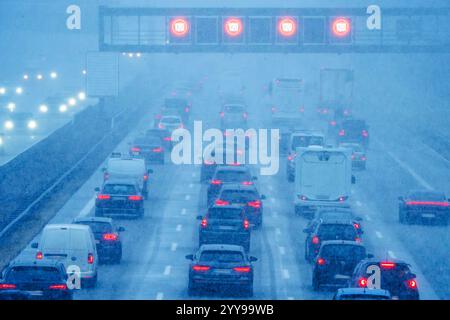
{"points": [[90, 283], [192, 290]]}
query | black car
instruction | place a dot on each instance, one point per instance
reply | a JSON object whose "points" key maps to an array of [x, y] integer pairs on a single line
{"points": [[164, 135], [120, 197], [395, 276], [107, 237], [227, 175], [328, 230], [335, 263], [225, 225], [424, 205], [345, 214], [180, 106], [149, 148], [36, 280], [216, 158], [353, 130], [218, 267], [246, 196]]}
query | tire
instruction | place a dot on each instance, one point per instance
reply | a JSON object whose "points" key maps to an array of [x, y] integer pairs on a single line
{"points": [[192, 290], [90, 283]]}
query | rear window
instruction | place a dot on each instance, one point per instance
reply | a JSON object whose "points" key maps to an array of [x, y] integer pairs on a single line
{"points": [[225, 213], [148, 140], [234, 108], [221, 256], [354, 125], [429, 196], [133, 167], [232, 176], [119, 189], [175, 103], [34, 274], [98, 227], [337, 232], [239, 196], [306, 141], [344, 251], [59, 239]]}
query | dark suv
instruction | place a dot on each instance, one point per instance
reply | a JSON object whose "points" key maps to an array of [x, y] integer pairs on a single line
{"points": [[424, 205], [353, 130]]}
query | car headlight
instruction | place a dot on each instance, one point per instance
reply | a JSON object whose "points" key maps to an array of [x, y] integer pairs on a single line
{"points": [[11, 106], [72, 101], [62, 108], [19, 90], [43, 108], [9, 125], [82, 96], [32, 124], [2, 90]]}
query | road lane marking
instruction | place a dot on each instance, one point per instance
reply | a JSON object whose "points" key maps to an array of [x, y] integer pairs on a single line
{"points": [[187, 197], [378, 234], [87, 208], [179, 227], [167, 270], [392, 254], [159, 296], [174, 246], [282, 250], [183, 211], [286, 274]]}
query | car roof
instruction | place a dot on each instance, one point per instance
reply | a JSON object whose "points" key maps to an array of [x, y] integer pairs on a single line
{"points": [[300, 133], [93, 219], [221, 247], [377, 292], [120, 181], [343, 242], [35, 263], [170, 116], [335, 221]]}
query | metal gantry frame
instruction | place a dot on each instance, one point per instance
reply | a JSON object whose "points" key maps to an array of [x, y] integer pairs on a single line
{"points": [[403, 30]]}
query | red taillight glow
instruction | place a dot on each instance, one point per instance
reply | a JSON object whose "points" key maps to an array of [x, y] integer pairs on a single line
{"points": [[242, 269], [158, 150], [412, 284], [356, 225], [387, 265], [358, 240], [103, 197], [204, 223], [365, 133], [167, 139], [198, 268], [222, 114], [110, 237], [145, 177], [186, 109], [342, 132], [7, 286], [342, 198], [332, 123], [220, 202], [90, 258], [58, 287], [246, 224], [362, 282], [321, 261], [135, 198], [247, 183], [136, 149], [315, 240], [427, 203], [363, 158], [39, 255], [254, 204], [303, 198], [161, 126], [216, 182]]}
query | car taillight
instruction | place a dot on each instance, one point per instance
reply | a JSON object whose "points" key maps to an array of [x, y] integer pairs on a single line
{"points": [[58, 287], [110, 237], [315, 240], [342, 198], [157, 149], [39, 255], [7, 286], [167, 138], [332, 123], [411, 283], [186, 109], [387, 265], [246, 224], [145, 177], [90, 259], [242, 269], [216, 182], [204, 223], [135, 198], [342, 132], [320, 261], [362, 282], [427, 203], [220, 202], [254, 204], [358, 240], [247, 183], [136, 149], [274, 109], [365, 133], [363, 158], [301, 197], [292, 156], [222, 114], [245, 115], [198, 268], [161, 126], [357, 225], [103, 197]]}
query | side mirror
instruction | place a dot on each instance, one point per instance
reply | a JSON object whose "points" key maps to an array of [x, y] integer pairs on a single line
{"points": [[252, 259], [34, 245], [97, 189], [370, 256], [120, 229], [263, 197], [255, 178], [189, 257], [353, 179], [199, 217]]}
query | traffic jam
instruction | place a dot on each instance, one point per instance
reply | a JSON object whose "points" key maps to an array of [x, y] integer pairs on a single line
{"points": [[302, 185]]}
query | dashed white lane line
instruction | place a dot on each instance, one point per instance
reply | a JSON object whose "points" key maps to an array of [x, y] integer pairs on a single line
{"points": [[87, 208], [392, 254], [179, 227], [187, 197], [368, 218], [167, 270], [378, 234], [358, 203], [286, 274], [159, 296], [173, 246], [282, 250], [414, 174], [183, 211]]}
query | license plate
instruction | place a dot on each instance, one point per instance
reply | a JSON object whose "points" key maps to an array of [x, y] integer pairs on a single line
{"points": [[223, 271], [226, 228], [428, 215], [136, 153], [341, 276], [35, 293]]}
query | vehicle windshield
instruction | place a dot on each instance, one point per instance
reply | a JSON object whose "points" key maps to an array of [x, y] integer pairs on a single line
{"points": [[306, 141], [335, 215], [224, 214], [343, 251], [34, 274], [126, 167], [221, 256], [170, 120], [232, 176], [337, 232], [119, 189], [98, 227], [239, 196], [430, 196]]}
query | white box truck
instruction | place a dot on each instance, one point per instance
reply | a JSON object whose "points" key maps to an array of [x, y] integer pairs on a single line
{"points": [[287, 99], [323, 177]]}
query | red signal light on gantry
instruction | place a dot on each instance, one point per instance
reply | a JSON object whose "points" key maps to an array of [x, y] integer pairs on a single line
{"points": [[179, 27], [233, 27], [341, 27], [287, 26]]}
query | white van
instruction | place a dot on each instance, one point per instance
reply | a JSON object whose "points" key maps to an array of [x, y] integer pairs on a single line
{"points": [[73, 245], [323, 177]]}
